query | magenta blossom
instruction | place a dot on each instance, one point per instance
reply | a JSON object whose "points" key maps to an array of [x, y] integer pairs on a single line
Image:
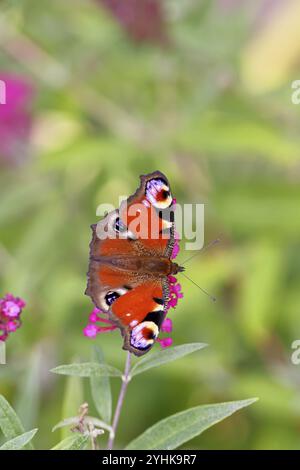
{"points": [[10, 311], [175, 292], [167, 325], [93, 329], [165, 342], [15, 119]]}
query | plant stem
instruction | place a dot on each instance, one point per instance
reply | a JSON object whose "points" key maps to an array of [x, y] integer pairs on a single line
{"points": [[125, 381]]}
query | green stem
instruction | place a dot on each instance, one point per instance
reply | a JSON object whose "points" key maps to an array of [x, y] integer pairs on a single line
{"points": [[125, 381]]}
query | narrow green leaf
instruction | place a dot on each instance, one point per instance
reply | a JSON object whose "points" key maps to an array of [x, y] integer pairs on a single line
{"points": [[163, 357], [76, 442], [87, 369], [73, 398], [17, 443], [67, 422], [100, 388], [177, 429], [10, 423]]}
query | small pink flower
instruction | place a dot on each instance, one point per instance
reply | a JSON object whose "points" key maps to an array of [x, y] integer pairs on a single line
{"points": [[12, 325], [11, 309], [92, 329], [166, 342], [10, 312], [167, 325], [94, 316], [175, 292]]}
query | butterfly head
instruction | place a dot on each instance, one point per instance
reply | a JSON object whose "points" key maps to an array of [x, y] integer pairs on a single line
{"points": [[176, 268]]}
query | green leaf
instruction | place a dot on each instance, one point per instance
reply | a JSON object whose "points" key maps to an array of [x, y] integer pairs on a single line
{"points": [[76, 442], [10, 423], [73, 398], [177, 429], [101, 391], [163, 357], [87, 369], [17, 443]]}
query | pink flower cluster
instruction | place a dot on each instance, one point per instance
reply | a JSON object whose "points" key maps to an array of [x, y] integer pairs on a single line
{"points": [[15, 119], [166, 327], [10, 311], [175, 293], [93, 329]]}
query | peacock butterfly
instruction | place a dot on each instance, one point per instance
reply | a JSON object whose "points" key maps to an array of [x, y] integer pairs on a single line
{"points": [[130, 261]]}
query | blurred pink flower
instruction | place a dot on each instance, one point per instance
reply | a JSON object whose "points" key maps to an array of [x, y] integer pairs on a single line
{"points": [[165, 342], [15, 119], [92, 329], [143, 20], [167, 325], [10, 311]]}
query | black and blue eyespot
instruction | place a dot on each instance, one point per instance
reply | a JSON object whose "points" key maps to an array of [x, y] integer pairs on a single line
{"points": [[158, 193], [118, 226], [111, 297], [108, 298]]}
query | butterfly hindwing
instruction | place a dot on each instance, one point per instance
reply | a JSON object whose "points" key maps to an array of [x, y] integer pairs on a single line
{"points": [[140, 313]]}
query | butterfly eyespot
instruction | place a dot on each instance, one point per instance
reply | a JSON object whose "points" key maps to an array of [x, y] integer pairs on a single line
{"points": [[118, 226], [143, 335], [106, 299], [111, 297], [158, 193]]}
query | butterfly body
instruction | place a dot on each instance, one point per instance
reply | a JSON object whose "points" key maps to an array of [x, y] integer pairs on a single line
{"points": [[128, 272], [145, 265]]}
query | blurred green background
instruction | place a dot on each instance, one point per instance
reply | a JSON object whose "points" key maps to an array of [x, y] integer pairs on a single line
{"points": [[202, 91]]}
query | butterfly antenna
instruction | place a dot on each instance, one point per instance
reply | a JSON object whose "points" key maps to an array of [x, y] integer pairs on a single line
{"points": [[212, 243], [212, 298]]}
